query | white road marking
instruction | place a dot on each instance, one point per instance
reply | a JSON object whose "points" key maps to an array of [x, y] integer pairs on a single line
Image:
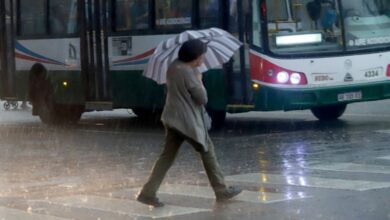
{"points": [[125, 207], [204, 192], [258, 179], [384, 158], [351, 167], [383, 131], [14, 214]]}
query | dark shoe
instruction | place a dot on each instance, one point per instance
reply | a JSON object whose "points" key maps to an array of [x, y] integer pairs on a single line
{"points": [[152, 201], [229, 193]]}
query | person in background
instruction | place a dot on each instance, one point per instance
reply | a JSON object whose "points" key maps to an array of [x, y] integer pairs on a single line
{"points": [[329, 17], [185, 119], [314, 11]]}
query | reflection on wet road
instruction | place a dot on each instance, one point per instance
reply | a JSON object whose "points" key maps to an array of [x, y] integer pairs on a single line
{"points": [[290, 165]]}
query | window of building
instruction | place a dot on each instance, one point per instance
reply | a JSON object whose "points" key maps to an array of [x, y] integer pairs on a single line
{"points": [[173, 14], [63, 16], [32, 17], [209, 13], [132, 14]]}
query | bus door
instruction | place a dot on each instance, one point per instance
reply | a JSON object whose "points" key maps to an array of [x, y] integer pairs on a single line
{"points": [[237, 74], [7, 57], [94, 49]]}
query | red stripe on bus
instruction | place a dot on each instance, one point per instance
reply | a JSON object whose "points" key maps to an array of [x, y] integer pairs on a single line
{"points": [[25, 57]]}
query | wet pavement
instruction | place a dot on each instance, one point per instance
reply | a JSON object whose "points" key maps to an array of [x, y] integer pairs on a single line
{"points": [[290, 165]]}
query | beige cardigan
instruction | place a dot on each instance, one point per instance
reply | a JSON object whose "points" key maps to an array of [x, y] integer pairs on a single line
{"points": [[184, 106]]}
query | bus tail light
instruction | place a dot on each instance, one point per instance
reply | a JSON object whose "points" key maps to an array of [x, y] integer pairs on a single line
{"points": [[268, 72], [286, 77], [282, 77], [295, 78]]}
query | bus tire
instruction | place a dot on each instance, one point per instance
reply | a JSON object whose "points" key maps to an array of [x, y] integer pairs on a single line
{"points": [[55, 114], [330, 112], [218, 118]]}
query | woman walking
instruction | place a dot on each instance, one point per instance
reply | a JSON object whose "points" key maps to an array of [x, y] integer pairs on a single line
{"points": [[185, 119]]}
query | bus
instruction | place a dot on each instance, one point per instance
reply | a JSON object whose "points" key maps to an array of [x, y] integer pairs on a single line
{"points": [[71, 56]]}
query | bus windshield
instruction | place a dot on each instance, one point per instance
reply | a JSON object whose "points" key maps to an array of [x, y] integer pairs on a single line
{"points": [[315, 26], [367, 23]]}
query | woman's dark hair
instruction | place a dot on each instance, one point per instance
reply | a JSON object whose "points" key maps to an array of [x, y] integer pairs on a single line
{"points": [[192, 50]]}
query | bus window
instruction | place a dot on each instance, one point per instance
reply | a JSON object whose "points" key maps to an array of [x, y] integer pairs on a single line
{"points": [[208, 13], [63, 16], [132, 15], [278, 10], [233, 14], [32, 17], [173, 14], [367, 23], [304, 26], [233, 24], [256, 24]]}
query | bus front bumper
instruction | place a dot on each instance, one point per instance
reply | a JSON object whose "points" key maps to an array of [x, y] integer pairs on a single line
{"points": [[267, 98]]}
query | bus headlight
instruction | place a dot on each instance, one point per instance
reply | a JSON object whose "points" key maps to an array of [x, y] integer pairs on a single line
{"points": [[283, 77], [295, 78]]}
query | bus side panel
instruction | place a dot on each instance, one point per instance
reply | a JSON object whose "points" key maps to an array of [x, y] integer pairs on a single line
{"points": [[68, 87], [21, 91], [129, 56], [130, 89], [72, 93], [214, 81], [61, 62], [134, 90]]}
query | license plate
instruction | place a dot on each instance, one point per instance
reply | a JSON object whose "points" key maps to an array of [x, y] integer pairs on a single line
{"points": [[349, 96]]}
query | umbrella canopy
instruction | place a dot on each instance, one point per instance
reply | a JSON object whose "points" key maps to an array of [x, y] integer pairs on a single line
{"points": [[221, 46]]}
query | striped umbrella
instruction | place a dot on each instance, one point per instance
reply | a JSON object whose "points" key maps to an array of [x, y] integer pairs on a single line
{"points": [[221, 46]]}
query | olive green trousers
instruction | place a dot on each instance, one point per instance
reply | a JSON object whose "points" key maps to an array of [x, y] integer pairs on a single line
{"points": [[173, 140]]}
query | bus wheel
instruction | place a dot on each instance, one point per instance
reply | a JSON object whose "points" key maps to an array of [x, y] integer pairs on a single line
{"points": [[330, 112], [69, 114], [218, 118], [55, 114]]}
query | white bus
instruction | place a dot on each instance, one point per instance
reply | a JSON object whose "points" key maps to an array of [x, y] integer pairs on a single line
{"points": [[71, 56]]}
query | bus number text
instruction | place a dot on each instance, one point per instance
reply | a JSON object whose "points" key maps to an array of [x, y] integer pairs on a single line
{"points": [[372, 73]]}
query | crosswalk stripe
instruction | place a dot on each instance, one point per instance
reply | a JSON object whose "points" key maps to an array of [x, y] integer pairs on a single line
{"points": [[384, 158], [125, 207], [204, 192], [351, 167], [258, 179], [8, 214], [383, 131]]}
